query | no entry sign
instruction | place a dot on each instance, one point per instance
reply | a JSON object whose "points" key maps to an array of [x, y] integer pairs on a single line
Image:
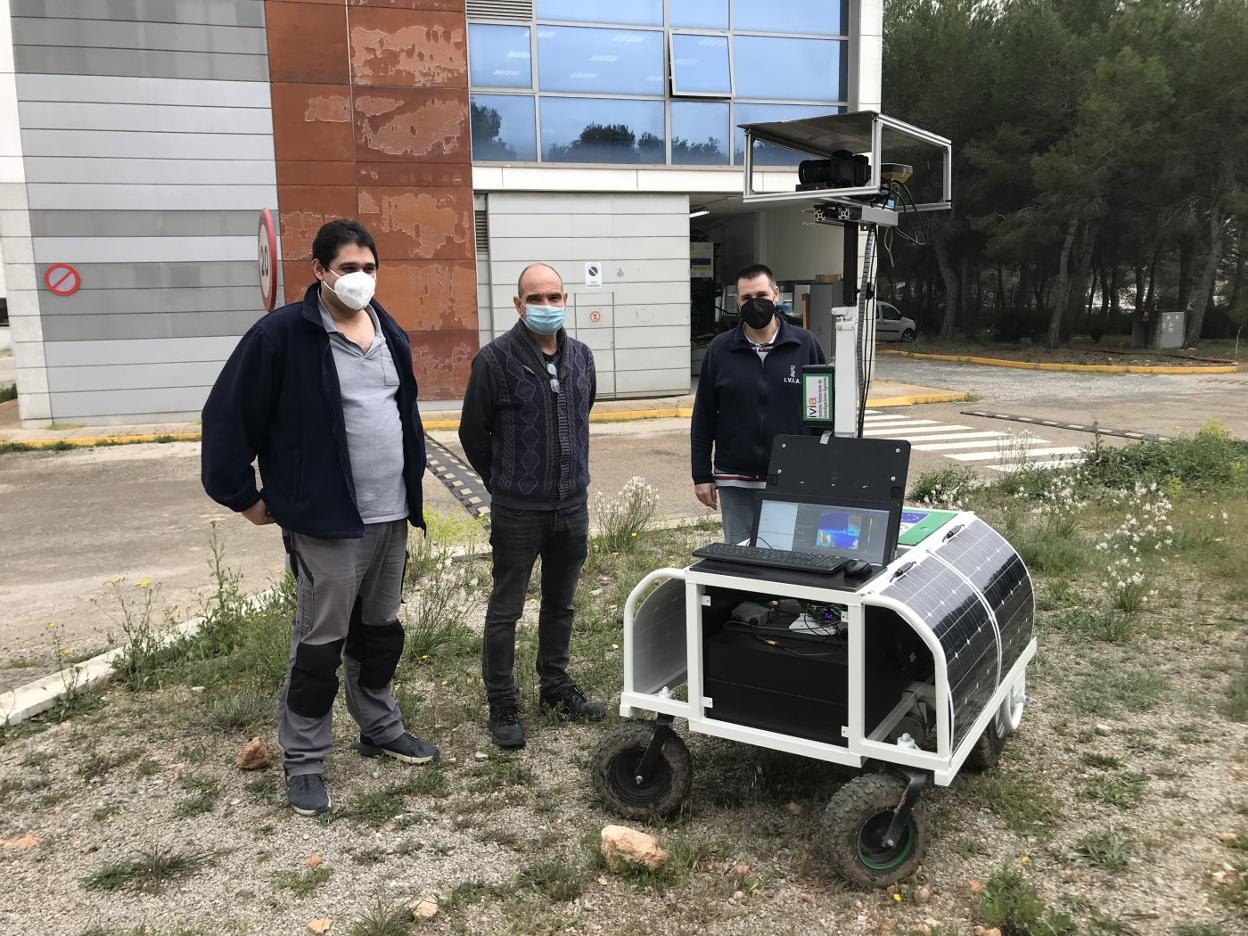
{"points": [[62, 279], [267, 258]]}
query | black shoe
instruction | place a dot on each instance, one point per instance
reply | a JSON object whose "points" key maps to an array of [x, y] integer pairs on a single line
{"points": [[570, 701], [407, 748], [307, 794], [505, 725]]}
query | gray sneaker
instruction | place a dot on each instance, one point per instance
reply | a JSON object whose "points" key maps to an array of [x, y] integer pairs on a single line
{"points": [[307, 794], [406, 747]]}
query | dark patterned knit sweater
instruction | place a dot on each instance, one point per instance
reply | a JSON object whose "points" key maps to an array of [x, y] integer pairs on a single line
{"points": [[529, 443]]}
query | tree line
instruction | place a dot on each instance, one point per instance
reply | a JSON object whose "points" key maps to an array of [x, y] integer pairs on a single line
{"points": [[1100, 165]]}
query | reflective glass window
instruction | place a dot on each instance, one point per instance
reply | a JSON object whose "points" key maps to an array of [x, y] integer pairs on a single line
{"points": [[812, 17], [700, 65], [625, 12], [791, 69], [602, 130], [698, 14], [503, 128], [699, 133], [765, 154], [499, 56], [600, 61]]}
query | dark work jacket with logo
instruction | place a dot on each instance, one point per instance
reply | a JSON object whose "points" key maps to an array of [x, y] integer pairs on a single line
{"points": [[278, 398], [743, 403]]}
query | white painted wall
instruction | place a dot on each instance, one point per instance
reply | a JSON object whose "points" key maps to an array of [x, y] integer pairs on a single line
{"points": [[640, 337]]}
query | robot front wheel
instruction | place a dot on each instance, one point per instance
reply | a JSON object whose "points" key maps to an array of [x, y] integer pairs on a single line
{"points": [[856, 824], [637, 787]]}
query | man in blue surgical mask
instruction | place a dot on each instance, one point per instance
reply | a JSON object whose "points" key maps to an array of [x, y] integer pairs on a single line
{"points": [[525, 429]]}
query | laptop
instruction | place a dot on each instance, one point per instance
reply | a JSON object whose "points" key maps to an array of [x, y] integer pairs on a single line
{"points": [[838, 504]]}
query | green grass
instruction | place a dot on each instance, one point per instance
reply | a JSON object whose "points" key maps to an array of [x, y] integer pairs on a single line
{"points": [[1236, 706], [205, 791], [99, 764], [383, 919], [1109, 850], [1010, 902], [8, 392], [1086, 623], [555, 880], [148, 871], [1125, 791], [378, 807], [1209, 460], [1021, 800], [1050, 553], [301, 883], [942, 486], [1109, 690]]}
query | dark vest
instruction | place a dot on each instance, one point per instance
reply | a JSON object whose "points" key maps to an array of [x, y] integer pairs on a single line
{"points": [[540, 455]]}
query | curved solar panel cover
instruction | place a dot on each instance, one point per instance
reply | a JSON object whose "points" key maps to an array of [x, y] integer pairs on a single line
{"points": [[982, 555], [958, 617]]}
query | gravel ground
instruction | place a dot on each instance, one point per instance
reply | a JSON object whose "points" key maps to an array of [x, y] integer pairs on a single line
{"points": [[506, 846]]}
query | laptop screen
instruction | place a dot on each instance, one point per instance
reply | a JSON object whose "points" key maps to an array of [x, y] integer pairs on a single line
{"points": [[851, 532]]}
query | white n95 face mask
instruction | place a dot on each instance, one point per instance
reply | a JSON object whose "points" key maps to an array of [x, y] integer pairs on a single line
{"points": [[355, 290]]}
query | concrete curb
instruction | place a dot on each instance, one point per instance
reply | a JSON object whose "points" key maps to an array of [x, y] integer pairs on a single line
{"points": [[1071, 368], [606, 416], [36, 697]]}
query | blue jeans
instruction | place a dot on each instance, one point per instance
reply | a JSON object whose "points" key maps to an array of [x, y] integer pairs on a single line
{"points": [[736, 508], [517, 538]]}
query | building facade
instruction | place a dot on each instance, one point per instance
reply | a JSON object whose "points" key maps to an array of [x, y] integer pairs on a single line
{"points": [[140, 141]]}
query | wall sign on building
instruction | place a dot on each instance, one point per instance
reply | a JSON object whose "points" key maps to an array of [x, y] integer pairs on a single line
{"points": [[593, 274], [266, 248], [62, 279]]}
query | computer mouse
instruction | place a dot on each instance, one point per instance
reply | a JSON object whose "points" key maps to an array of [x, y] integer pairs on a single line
{"points": [[857, 568]]}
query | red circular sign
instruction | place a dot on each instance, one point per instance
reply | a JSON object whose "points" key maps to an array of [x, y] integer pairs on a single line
{"points": [[62, 279], [267, 257], [595, 316]]}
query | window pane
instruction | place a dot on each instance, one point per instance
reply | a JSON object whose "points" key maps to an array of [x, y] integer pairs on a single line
{"points": [[602, 130], [499, 56], [814, 17], [627, 12], [793, 69], [503, 128], [699, 14], [765, 154], [600, 61], [699, 133], [701, 64]]}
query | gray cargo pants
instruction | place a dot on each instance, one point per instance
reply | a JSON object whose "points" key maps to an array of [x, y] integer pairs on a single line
{"points": [[347, 612]]}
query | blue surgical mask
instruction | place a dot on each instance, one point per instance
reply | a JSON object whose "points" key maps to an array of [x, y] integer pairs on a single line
{"points": [[544, 319]]}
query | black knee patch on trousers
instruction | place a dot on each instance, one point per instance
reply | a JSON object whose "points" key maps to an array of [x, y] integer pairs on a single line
{"points": [[378, 649], [314, 679]]}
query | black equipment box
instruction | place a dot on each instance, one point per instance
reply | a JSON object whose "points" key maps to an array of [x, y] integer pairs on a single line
{"points": [[780, 680], [797, 684]]}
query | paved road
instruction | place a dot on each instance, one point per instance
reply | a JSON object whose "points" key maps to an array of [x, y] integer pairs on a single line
{"points": [[1165, 404], [74, 519]]}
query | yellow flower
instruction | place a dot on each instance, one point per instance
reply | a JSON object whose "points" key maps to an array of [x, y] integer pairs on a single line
{"points": [[144, 583], [51, 624], [897, 898], [67, 651], [634, 535], [1025, 859]]}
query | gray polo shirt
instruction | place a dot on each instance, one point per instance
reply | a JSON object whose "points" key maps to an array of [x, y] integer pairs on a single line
{"points": [[369, 385]]}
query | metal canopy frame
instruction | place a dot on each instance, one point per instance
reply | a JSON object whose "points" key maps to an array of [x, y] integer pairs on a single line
{"points": [[860, 132]]}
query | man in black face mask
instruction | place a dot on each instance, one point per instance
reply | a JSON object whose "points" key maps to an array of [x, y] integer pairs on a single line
{"points": [[749, 391]]}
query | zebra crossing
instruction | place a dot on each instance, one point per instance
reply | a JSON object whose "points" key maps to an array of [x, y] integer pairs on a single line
{"points": [[1003, 451]]}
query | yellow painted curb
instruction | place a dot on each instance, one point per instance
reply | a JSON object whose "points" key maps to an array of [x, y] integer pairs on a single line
{"points": [[1072, 368], [606, 416], [954, 396], [88, 442]]}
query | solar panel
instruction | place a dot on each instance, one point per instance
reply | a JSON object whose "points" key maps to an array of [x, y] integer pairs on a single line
{"points": [[959, 619], [982, 555]]}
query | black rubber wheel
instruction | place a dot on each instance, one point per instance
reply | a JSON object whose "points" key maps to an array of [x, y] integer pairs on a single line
{"points": [[615, 772], [908, 335], [853, 830], [986, 754]]}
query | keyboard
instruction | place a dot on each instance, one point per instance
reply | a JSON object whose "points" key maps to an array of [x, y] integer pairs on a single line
{"points": [[775, 558]]}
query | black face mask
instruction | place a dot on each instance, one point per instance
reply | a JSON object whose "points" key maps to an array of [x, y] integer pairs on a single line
{"points": [[758, 312]]}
